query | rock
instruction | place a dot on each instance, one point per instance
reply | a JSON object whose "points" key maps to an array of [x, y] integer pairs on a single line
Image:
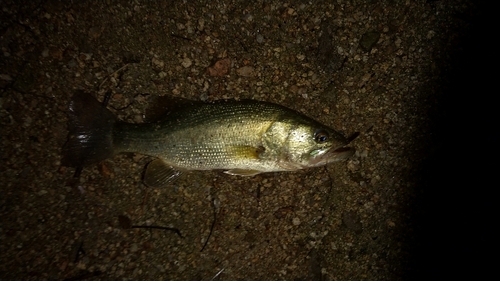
{"points": [[368, 40], [157, 63], [245, 71], [5, 77], [186, 62], [327, 56], [219, 68], [352, 222]]}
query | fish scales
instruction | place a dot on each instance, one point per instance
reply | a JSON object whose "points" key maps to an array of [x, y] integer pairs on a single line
{"points": [[241, 137], [203, 136]]}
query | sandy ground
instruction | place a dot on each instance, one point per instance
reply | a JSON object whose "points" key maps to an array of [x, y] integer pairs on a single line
{"points": [[403, 73]]}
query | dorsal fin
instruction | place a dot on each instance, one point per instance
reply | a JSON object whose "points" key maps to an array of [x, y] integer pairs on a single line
{"points": [[160, 106]]}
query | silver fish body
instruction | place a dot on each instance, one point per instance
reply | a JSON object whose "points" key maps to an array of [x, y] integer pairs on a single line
{"points": [[241, 137]]}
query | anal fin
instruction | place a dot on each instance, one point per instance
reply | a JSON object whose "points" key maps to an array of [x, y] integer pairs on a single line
{"points": [[159, 174]]}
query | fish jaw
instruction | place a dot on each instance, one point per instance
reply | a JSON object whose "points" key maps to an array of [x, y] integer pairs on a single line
{"points": [[315, 159], [332, 155], [299, 143]]}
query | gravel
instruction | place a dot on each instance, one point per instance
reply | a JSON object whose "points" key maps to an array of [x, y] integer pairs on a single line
{"points": [[380, 68]]}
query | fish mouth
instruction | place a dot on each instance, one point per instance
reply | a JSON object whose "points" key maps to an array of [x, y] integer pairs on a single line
{"points": [[342, 153], [332, 155]]}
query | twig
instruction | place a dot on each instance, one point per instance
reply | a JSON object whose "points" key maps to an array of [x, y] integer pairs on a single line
{"points": [[159, 227], [107, 77], [84, 275], [212, 227], [217, 274], [106, 99]]}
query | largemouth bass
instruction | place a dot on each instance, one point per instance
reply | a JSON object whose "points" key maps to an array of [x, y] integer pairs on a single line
{"points": [[245, 138]]}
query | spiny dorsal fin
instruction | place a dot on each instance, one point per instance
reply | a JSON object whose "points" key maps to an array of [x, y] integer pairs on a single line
{"points": [[160, 106]]}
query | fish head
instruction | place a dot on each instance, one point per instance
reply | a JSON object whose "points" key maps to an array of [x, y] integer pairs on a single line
{"points": [[307, 143]]}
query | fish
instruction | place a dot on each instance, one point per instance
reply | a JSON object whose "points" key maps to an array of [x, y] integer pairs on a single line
{"points": [[240, 137]]}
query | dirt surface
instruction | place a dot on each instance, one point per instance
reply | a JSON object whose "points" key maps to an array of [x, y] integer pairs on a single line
{"points": [[402, 208]]}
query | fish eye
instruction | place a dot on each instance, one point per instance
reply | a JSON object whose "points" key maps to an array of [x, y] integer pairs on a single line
{"points": [[321, 136]]}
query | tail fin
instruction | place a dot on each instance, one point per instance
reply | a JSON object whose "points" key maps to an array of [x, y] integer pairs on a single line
{"points": [[90, 127]]}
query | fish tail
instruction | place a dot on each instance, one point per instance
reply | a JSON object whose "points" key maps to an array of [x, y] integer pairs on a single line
{"points": [[90, 126]]}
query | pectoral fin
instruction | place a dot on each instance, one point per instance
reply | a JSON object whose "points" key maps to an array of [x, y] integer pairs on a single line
{"points": [[159, 174], [242, 172], [246, 152]]}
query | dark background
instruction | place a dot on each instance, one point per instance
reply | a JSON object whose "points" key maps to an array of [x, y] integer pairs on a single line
{"points": [[456, 208]]}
